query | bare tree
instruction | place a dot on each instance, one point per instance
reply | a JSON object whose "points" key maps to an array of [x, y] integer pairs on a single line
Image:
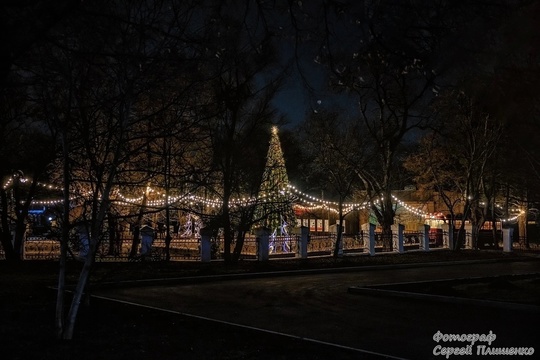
{"points": [[392, 82], [333, 161], [24, 26], [113, 58], [392, 58], [458, 161], [244, 79], [434, 169], [29, 166]]}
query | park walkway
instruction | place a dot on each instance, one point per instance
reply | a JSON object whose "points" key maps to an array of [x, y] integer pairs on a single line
{"points": [[318, 307]]}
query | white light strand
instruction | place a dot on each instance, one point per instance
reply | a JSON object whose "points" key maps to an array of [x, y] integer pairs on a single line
{"points": [[10, 182], [309, 202], [513, 218], [410, 208], [312, 199]]}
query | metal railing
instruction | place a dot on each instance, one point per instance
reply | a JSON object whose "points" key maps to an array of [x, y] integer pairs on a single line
{"points": [[42, 248]]}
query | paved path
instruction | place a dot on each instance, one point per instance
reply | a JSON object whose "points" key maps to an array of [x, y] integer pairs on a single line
{"points": [[318, 307]]}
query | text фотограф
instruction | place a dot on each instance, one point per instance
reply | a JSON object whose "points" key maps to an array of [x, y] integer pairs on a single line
{"points": [[473, 344]]}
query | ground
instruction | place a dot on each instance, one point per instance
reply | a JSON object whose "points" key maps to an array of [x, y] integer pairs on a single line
{"points": [[114, 331]]}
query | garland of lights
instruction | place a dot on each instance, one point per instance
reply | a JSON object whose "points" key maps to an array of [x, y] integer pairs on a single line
{"points": [[514, 218], [310, 202], [410, 208]]}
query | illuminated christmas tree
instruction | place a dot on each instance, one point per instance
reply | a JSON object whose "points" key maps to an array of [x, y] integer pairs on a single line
{"points": [[276, 208]]}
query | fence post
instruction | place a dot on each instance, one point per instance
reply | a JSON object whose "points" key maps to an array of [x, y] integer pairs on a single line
{"points": [[369, 245], [206, 245], [468, 236], [303, 231], [424, 242], [397, 237], [23, 243], [339, 233], [263, 235], [507, 239], [448, 238]]}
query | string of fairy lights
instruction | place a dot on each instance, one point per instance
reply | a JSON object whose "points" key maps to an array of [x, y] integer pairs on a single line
{"points": [[312, 203], [302, 200]]}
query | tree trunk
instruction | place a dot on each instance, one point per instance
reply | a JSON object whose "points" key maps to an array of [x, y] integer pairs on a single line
{"points": [[386, 220], [168, 237], [458, 243], [228, 234], [387, 237], [227, 241], [339, 235], [5, 235], [522, 231], [458, 240], [339, 239], [79, 291], [451, 231], [20, 233], [136, 230], [59, 311], [238, 246], [494, 226], [82, 284], [7, 245], [475, 235], [60, 294], [111, 221]]}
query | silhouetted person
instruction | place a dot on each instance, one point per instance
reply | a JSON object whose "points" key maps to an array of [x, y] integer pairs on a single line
{"points": [[147, 238], [84, 240]]}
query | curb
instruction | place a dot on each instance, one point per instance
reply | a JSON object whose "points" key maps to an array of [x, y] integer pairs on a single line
{"points": [[269, 274], [378, 291]]}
